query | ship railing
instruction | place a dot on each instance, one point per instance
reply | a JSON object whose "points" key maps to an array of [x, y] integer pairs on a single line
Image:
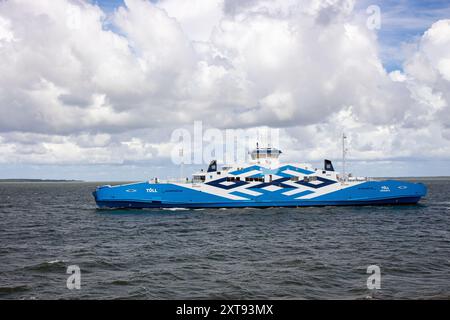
{"points": [[353, 179], [170, 180], [357, 178]]}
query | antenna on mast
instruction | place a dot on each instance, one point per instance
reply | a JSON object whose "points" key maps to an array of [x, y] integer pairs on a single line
{"points": [[257, 151], [344, 153]]}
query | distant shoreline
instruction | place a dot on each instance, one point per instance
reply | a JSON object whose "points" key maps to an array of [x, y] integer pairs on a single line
{"points": [[414, 178], [38, 180]]}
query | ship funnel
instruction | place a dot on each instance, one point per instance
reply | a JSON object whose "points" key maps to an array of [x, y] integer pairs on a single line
{"points": [[328, 165], [212, 166]]}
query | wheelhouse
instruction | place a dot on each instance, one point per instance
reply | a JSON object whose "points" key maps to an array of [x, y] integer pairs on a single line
{"points": [[265, 153]]}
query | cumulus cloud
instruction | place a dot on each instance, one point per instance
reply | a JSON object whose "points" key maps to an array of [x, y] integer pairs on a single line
{"points": [[80, 86]]}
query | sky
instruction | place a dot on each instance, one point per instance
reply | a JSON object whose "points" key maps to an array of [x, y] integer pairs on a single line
{"points": [[94, 90]]}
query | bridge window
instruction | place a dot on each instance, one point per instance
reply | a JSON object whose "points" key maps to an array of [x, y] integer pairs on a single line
{"points": [[248, 179], [199, 179], [309, 179]]}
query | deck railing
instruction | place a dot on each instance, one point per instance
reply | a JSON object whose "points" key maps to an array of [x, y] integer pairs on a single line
{"points": [[170, 180]]}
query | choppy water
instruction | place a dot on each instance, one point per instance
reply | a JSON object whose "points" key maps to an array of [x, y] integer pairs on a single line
{"points": [[302, 253]]}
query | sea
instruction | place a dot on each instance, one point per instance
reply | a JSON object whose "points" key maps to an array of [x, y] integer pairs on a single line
{"points": [[55, 244]]}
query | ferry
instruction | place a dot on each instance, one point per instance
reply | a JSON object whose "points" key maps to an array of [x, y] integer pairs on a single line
{"points": [[263, 182]]}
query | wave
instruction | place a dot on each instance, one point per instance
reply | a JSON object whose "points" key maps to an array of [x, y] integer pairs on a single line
{"points": [[14, 289], [47, 266], [56, 261], [120, 282], [175, 209]]}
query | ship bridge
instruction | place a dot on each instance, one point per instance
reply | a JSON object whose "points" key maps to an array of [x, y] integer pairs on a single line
{"points": [[267, 156], [265, 153]]}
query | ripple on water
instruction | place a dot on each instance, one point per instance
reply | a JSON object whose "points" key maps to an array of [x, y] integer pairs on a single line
{"points": [[298, 253], [48, 266], [5, 290]]}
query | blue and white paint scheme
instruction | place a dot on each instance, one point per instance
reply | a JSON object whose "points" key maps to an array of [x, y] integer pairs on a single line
{"points": [[263, 182]]}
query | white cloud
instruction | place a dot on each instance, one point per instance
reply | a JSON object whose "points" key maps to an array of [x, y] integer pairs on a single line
{"points": [[74, 90], [6, 34], [196, 17], [429, 71]]}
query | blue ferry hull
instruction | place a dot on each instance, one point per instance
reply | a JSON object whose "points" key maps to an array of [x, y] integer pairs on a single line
{"points": [[150, 195]]}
